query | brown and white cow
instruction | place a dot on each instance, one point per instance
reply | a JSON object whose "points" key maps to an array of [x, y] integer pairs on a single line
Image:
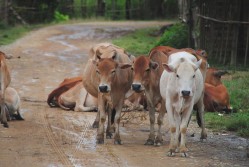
{"points": [[216, 97], [147, 72], [181, 86], [113, 91], [4, 81]]}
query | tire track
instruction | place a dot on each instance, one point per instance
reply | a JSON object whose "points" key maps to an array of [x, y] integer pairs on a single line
{"points": [[49, 133]]}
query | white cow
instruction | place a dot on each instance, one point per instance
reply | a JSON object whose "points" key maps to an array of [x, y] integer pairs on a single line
{"points": [[181, 86]]}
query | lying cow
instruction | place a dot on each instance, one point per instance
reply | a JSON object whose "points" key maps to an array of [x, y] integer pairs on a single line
{"points": [[12, 104], [181, 86], [105, 79], [216, 97], [4, 81]]}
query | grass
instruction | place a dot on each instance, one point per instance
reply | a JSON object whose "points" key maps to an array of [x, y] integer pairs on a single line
{"points": [[10, 34], [138, 42]]}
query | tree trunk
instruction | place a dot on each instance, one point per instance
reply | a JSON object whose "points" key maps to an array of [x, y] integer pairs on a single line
{"points": [[127, 9], [5, 19]]}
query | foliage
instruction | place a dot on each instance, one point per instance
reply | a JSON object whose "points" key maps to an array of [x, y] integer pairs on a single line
{"points": [[137, 42], [59, 17], [176, 36]]}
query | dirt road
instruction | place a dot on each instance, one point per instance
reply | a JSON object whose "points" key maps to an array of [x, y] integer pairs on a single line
{"points": [[51, 137]]}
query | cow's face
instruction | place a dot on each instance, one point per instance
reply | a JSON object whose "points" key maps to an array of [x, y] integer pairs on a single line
{"points": [[213, 76], [106, 70], [142, 68], [184, 76]]}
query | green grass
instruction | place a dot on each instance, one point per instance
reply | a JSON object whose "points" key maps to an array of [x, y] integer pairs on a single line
{"points": [[138, 42], [10, 34]]}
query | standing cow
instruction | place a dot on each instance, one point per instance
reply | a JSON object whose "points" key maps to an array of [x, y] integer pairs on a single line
{"points": [[4, 81], [105, 79], [182, 86]]}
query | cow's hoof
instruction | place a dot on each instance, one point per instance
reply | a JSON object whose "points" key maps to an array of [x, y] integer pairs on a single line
{"points": [[184, 154], [108, 135], [100, 141], [158, 142], [95, 124], [118, 142], [171, 154], [5, 125], [149, 142]]}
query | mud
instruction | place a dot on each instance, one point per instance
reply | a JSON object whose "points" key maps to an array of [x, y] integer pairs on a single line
{"points": [[52, 137]]}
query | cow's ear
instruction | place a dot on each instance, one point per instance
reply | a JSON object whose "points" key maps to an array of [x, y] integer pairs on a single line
{"points": [[94, 62], [220, 73], [168, 68], [98, 57], [198, 64], [115, 55], [153, 65], [98, 54], [124, 65]]}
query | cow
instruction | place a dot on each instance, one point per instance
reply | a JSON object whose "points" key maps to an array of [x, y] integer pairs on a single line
{"points": [[216, 97], [12, 104], [68, 83], [147, 71], [112, 91], [181, 87], [4, 81]]}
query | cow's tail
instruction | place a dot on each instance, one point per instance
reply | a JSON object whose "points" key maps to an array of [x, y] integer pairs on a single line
{"points": [[51, 99]]}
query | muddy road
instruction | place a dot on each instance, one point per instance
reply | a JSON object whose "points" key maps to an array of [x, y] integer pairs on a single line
{"points": [[51, 137]]}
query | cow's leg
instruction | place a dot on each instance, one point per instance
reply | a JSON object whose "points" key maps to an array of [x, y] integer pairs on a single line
{"points": [[109, 128], [102, 118], [200, 107], [172, 146], [96, 121], [150, 140], [183, 128], [162, 112], [3, 115], [117, 139]]}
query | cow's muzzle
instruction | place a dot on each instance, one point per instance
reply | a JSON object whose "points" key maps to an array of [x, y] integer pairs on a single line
{"points": [[136, 87], [103, 89], [185, 93]]}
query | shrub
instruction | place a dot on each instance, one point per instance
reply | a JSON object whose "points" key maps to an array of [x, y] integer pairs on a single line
{"points": [[59, 17], [176, 36]]}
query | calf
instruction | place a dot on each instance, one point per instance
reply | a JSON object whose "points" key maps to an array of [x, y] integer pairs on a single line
{"points": [[113, 80], [181, 86], [4, 81], [147, 72]]}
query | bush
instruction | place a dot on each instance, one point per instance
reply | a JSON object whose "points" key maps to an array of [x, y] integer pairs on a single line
{"points": [[59, 17], [176, 36]]}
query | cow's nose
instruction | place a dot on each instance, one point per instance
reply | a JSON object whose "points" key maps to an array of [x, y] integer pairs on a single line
{"points": [[136, 87], [103, 88], [185, 93]]}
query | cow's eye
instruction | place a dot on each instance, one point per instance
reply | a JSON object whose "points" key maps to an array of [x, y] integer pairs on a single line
{"points": [[97, 72], [132, 68], [177, 75], [193, 76]]}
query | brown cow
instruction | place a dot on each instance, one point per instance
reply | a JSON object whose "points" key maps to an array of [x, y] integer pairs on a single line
{"points": [[112, 89], [116, 95], [4, 81], [147, 72], [216, 97]]}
